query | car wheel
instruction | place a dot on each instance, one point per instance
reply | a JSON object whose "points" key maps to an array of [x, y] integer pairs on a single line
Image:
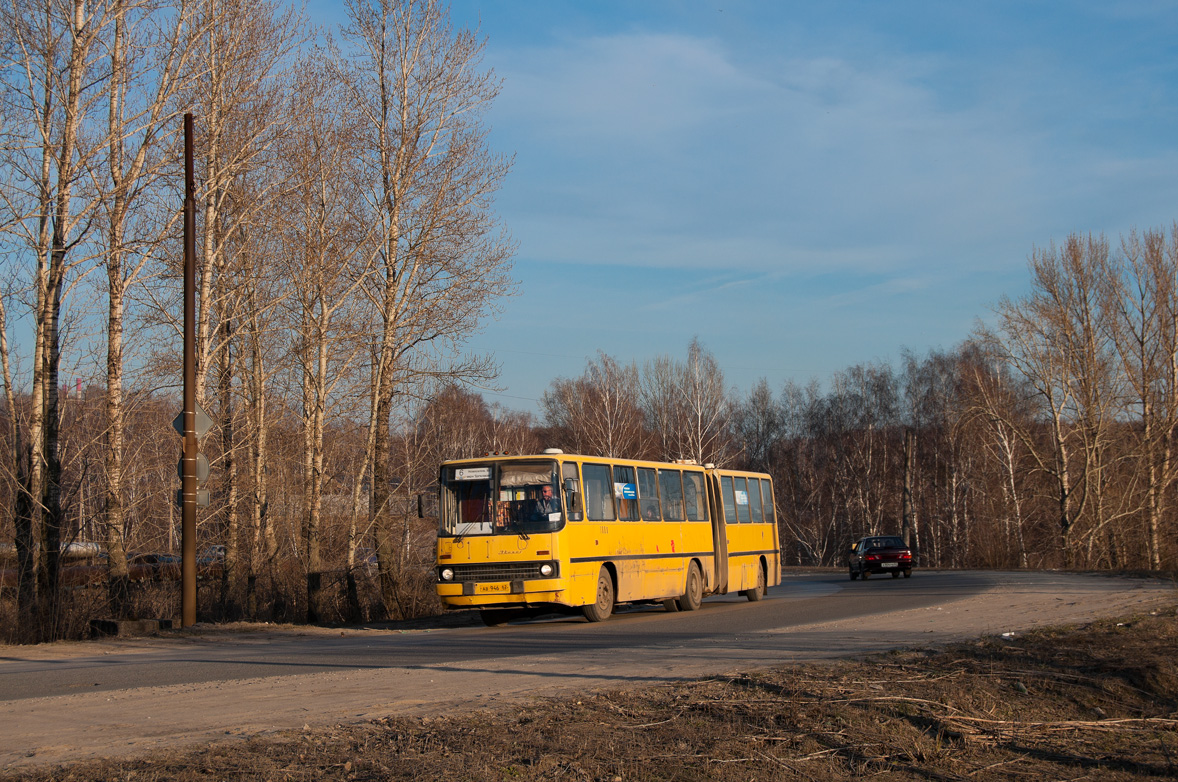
{"points": [[694, 593], [865, 574], [896, 574], [600, 610], [854, 575], [908, 573]]}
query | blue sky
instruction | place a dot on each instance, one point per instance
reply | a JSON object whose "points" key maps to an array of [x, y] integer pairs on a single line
{"points": [[806, 186]]}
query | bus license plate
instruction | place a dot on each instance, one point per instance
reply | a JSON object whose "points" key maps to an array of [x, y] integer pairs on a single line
{"points": [[493, 589]]}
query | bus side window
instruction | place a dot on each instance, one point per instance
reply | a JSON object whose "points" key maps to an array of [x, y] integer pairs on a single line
{"points": [[648, 494], [767, 494], [671, 487], [742, 500], [694, 497], [755, 500], [626, 493], [729, 499], [599, 492], [572, 499]]}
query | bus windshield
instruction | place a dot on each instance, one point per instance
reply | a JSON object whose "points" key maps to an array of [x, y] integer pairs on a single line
{"points": [[500, 498]]}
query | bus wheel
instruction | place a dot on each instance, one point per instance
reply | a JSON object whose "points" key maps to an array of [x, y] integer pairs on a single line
{"points": [[600, 611], [757, 592], [672, 605], [695, 589]]}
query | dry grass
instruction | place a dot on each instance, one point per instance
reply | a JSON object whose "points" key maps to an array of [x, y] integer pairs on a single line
{"points": [[1098, 702]]}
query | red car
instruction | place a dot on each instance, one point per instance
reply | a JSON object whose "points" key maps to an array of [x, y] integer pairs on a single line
{"points": [[880, 554]]}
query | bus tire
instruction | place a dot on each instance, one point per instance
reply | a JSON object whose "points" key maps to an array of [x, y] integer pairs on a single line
{"points": [[757, 592], [672, 605], [601, 610], [693, 594]]}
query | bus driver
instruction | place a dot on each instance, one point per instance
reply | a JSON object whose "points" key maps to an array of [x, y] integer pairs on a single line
{"points": [[546, 505]]}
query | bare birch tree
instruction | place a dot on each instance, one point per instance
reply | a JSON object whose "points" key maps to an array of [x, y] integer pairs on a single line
{"points": [[147, 51], [52, 85], [1053, 339], [707, 408], [599, 411], [658, 394], [329, 256], [758, 426], [444, 259], [1141, 312], [686, 406], [997, 407], [241, 69]]}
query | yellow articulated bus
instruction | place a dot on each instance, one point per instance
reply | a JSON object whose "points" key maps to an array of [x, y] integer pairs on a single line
{"points": [[554, 531]]}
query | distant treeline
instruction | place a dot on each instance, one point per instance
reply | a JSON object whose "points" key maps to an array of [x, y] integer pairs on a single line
{"points": [[1044, 441]]}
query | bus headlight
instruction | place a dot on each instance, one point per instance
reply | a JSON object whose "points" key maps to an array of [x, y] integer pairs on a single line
{"points": [[447, 574], [546, 570]]}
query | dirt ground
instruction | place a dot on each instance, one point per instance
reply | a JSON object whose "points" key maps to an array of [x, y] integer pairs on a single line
{"points": [[1091, 702]]}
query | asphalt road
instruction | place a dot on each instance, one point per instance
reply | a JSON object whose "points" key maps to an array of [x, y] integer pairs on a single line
{"points": [[722, 621], [69, 701]]}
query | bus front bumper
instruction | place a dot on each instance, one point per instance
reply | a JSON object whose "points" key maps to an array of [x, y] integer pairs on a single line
{"points": [[500, 593]]}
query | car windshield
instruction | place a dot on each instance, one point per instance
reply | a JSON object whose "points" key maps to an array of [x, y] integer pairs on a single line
{"points": [[512, 498]]}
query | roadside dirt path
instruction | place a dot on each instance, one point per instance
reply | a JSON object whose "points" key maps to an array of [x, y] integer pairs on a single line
{"points": [[39, 731]]}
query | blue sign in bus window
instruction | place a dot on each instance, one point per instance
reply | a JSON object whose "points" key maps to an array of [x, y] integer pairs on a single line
{"points": [[626, 491]]}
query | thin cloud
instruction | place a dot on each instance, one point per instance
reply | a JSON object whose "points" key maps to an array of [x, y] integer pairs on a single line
{"points": [[627, 88], [669, 150]]}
